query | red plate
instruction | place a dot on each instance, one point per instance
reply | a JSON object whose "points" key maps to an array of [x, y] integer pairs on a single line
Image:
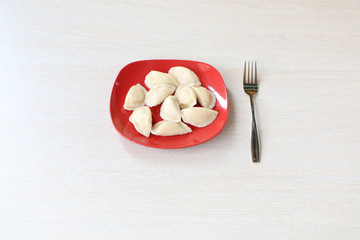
{"points": [[135, 72]]}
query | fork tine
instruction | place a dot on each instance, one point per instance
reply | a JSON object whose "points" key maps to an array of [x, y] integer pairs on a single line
{"points": [[255, 74], [244, 80], [248, 73], [252, 73]]}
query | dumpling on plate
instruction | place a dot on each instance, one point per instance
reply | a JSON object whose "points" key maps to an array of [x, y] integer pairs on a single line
{"points": [[198, 116], [135, 97], [166, 128], [184, 76], [155, 78], [158, 93], [185, 96], [142, 120], [205, 97], [170, 110]]}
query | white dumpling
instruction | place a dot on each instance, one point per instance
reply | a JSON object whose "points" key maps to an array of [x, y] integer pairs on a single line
{"points": [[166, 128], [155, 78], [184, 76], [170, 110], [158, 93], [142, 120], [205, 97], [198, 116], [135, 97], [185, 96]]}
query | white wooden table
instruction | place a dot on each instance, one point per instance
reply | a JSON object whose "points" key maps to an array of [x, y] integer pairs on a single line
{"points": [[65, 173]]}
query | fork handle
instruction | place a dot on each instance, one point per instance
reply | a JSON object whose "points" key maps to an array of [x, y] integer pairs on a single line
{"points": [[255, 150]]}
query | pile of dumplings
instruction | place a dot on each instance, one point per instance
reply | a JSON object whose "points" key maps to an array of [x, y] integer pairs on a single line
{"points": [[174, 107]]}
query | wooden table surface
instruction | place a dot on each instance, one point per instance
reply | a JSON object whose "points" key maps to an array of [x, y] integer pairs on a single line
{"points": [[65, 173]]}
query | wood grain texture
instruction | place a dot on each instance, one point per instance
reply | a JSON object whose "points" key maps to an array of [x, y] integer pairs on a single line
{"points": [[65, 173]]}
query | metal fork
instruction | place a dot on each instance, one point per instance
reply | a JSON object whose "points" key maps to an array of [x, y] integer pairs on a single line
{"points": [[251, 87]]}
